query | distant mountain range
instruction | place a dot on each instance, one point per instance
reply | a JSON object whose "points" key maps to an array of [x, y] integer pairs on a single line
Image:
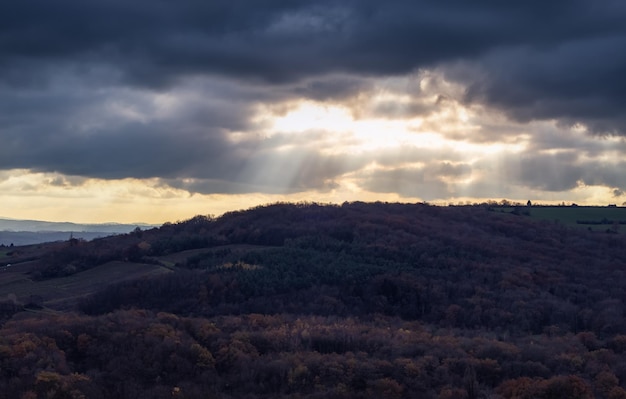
{"points": [[27, 232]]}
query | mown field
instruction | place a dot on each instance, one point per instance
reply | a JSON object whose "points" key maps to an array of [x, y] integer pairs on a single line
{"points": [[596, 218], [59, 292]]}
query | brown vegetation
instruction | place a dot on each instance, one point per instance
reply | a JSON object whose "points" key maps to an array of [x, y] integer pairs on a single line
{"points": [[353, 301]]}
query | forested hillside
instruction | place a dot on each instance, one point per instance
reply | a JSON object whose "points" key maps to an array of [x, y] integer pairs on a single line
{"points": [[353, 301]]}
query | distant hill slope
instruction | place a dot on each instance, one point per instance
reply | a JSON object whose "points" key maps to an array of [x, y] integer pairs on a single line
{"points": [[360, 300], [27, 232], [37, 237]]}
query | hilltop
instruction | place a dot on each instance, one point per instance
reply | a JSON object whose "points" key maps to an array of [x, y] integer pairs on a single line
{"points": [[359, 300]]}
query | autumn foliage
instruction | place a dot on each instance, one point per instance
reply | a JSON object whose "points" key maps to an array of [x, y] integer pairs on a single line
{"points": [[352, 301]]}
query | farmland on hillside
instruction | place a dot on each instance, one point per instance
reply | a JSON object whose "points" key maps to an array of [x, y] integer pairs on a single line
{"points": [[597, 218]]}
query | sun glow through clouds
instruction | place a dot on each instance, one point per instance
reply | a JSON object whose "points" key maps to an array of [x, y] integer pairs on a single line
{"points": [[396, 141], [368, 134]]}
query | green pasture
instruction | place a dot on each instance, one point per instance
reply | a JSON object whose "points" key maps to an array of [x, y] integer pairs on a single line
{"points": [[594, 217]]}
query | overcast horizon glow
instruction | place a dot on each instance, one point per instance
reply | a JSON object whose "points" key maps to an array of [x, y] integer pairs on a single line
{"points": [[117, 112]]}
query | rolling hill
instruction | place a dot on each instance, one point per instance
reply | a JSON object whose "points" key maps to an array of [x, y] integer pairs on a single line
{"points": [[362, 300], [28, 232]]}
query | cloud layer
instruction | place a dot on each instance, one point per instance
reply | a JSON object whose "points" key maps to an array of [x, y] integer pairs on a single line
{"points": [[534, 60], [423, 99]]}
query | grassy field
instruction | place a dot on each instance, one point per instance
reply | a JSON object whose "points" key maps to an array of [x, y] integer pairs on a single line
{"points": [[24, 253], [61, 293], [597, 218], [58, 293]]}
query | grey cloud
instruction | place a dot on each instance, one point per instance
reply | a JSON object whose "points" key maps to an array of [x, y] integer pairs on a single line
{"points": [[550, 172], [408, 182], [66, 181], [76, 131], [425, 182], [577, 81], [86, 132], [331, 88], [605, 174], [399, 110], [563, 171], [560, 60], [64, 64], [271, 170], [553, 138], [298, 169], [448, 169], [492, 189], [537, 61], [411, 155]]}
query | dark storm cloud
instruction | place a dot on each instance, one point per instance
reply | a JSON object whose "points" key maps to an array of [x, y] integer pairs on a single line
{"points": [[117, 133], [564, 171], [579, 81], [540, 59], [69, 68], [133, 151], [334, 88], [85, 131]]}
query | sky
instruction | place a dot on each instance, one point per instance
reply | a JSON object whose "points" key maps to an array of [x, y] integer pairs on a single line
{"points": [[155, 111]]}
